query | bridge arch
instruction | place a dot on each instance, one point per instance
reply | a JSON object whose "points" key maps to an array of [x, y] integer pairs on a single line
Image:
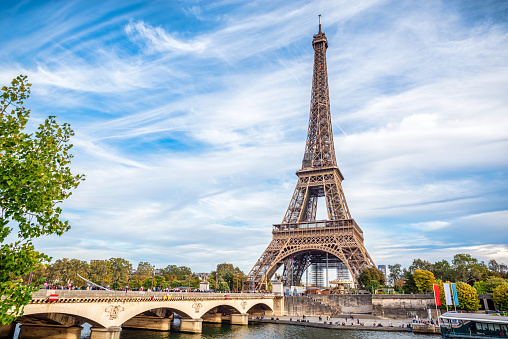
{"points": [[283, 256], [259, 309], [69, 317], [220, 308]]}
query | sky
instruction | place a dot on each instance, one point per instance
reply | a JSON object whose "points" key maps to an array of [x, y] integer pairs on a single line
{"points": [[190, 121]]}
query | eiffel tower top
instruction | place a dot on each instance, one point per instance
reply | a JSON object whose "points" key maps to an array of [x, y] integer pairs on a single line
{"points": [[319, 148]]}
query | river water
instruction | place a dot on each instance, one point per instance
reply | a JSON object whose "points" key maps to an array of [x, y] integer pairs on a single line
{"points": [[262, 331], [269, 331]]}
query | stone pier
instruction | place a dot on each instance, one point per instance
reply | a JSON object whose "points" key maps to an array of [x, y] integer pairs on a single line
{"points": [[148, 323], [189, 325], [49, 331], [215, 318], [239, 319], [105, 333]]}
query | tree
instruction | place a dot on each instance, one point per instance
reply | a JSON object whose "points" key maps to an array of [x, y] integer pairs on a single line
{"points": [[373, 286], [135, 282], [493, 282], [443, 270], [467, 268], [419, 264], [481, 287], [395, 273], [423, 280], [119, 270], [65, 271], [227, 273], [145, 269], [97, 271], [500, 296], [34, 178], [409, 282], [178, 272], [369, 274], [468, 298], [494, 266]]}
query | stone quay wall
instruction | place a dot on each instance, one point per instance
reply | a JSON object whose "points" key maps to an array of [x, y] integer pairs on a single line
{"points": [[403, 305], [381, 305], [347, 303], [300, 305]]}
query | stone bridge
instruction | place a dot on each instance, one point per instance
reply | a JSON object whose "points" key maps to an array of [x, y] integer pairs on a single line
{"points": [[109, 312]]}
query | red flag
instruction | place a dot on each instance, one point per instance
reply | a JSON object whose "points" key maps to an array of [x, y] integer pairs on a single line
{"points": [[437, 297]]}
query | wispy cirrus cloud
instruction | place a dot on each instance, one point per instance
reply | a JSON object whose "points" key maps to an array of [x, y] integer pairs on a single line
{"points": [[191, 118]]}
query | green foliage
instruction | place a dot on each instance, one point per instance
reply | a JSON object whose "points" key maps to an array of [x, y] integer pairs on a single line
{"points": [[227, 273], [17, 259], [369, 274], [145, 269], [135, 282], [65, 271], [34, 178], [419, 264], [177, 272], [500, 270], [468, 269], [423, 280], [372, 286], [395, 273], [118, 270], [500, 296], [481, 287], [468, 297], [409, 282], [443, 270], [493, 282]]}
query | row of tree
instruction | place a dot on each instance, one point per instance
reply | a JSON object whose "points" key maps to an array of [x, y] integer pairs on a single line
{"points": [[118, 273], [472, 277], [463, 268]]}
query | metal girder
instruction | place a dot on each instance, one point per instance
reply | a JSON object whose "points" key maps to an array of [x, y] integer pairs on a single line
{"points": [[301, 240]]}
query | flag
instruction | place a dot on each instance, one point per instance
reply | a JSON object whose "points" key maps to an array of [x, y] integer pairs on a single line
{"points": [[447, 294], [437, 297], [455, 296]]}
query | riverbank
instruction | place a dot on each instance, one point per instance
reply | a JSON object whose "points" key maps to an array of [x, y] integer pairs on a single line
{"points": [[338, 323]]}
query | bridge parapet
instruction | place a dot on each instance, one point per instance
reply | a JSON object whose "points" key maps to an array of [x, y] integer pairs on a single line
{"points": [[80, 296]]}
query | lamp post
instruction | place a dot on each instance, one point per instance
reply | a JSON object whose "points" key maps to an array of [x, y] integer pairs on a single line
{"points": [[153, 274], [104, 272]]}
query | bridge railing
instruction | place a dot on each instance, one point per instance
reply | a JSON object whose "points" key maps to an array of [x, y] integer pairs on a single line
{"points": [[91, 294]]}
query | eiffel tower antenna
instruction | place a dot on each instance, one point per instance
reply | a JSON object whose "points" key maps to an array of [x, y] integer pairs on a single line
{"points": [[301, 242]]}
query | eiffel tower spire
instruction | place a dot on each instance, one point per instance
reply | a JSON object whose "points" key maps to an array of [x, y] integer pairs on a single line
{"points": [[319, 150], [301, 241]]}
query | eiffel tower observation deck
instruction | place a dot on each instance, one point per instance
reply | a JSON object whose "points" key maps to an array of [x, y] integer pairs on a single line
{"points": [[301, 242]]}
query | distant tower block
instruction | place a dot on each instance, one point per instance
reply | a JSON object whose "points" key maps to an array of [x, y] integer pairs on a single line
{"points": [[301, 241]]}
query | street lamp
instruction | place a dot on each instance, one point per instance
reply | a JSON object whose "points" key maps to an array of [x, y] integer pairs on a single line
{"points": [[153, 274]]}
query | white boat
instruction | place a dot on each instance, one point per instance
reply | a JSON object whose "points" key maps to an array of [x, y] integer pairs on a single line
{"points": [[472, 325]]}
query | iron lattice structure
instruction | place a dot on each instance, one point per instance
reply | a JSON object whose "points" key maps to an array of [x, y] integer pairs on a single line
{"points": [[301, 241]]}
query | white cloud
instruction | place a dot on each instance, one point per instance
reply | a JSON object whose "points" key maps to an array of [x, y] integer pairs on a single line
{"points": [[190, 140]]}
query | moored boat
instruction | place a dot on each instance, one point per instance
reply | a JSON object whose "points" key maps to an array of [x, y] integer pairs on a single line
{"points": [[472, 325]]}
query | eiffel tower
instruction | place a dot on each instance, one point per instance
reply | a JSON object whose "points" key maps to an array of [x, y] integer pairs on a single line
{"points": [[300, 241]]}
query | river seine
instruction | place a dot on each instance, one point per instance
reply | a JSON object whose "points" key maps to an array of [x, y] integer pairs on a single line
{"points": [[269, 331]]}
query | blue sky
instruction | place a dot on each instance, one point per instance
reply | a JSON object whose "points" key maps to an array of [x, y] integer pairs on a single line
{"points": [[191, 119]]}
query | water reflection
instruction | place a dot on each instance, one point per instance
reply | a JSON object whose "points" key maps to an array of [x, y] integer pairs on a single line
{"points": [[264, 331], [269, 331]]}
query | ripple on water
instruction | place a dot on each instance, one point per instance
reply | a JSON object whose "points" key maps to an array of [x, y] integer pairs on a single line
{"points": [[262, 331], [270, 331]]}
